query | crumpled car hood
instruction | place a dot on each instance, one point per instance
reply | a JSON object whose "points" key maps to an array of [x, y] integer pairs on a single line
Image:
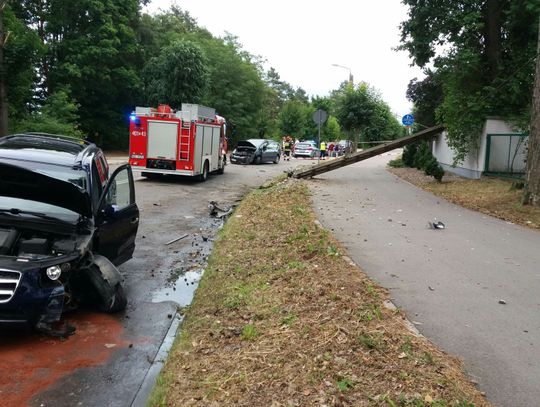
{"points": [[244, 143], [18, 182]]}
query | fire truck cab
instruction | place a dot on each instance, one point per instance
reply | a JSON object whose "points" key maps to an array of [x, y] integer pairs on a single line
{"points": [[189, 142]]}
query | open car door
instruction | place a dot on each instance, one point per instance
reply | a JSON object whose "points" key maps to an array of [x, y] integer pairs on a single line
{"points": [[117, 217]]}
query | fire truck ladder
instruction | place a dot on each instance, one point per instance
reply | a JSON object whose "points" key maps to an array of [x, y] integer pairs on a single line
{"points": [[365, 154], [185, 143]]}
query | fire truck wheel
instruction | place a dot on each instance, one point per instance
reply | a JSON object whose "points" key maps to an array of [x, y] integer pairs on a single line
{"points": [[221, 169], [204, 174], [151, 175]]}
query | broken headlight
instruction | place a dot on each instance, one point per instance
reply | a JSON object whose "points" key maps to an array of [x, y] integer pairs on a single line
{"points": [[54, 272]]}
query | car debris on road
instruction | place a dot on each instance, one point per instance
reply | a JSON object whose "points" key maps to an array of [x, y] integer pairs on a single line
{"points": [[217, 212]]}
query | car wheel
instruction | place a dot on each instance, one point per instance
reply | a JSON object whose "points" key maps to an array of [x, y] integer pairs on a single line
{"points": [[257, 160], [204, 176], [110, 298], [276, 160]]}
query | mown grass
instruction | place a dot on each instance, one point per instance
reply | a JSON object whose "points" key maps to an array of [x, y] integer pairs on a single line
{"points": [[281, 319]]}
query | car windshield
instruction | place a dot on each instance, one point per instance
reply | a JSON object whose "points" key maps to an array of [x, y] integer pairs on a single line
{"points": [[256, 142], [62, 173], [25, 205]]}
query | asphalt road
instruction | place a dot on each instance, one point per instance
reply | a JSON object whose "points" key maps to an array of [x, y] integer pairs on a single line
{"points": [[449, 282], [108, 359]]}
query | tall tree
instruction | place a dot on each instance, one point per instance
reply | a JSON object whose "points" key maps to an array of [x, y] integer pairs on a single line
{"points": [[178, 75], [364, 115], [235, 86], [3, 92], [292, 119], [481, 52], [90, 46], [427, 96], [22, 51], [532, 194]]}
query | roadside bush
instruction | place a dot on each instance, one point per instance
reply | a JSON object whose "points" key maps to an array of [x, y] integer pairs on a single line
{"points": [[408, 154], [418, 155], [422, 156], [434, 169], [397, 163]]}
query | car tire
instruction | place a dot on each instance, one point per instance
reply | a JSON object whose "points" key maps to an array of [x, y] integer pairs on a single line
{"points": [[257, 160], [204, 175], [110, 298], [276, 160]]}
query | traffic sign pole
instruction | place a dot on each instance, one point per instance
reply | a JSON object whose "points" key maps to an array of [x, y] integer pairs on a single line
{"points": [[319, 117]]}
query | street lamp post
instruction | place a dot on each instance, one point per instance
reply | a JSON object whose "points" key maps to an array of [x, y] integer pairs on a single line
{"points": [[351, 82]]}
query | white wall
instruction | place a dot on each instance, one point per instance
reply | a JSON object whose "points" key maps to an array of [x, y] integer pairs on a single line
{"points": [[474, 163]]}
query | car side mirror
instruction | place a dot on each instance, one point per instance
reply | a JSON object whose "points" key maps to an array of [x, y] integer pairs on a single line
{"points": [[108, 210]]}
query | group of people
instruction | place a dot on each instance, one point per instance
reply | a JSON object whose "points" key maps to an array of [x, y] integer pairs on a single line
{"points": [[331, 149]]}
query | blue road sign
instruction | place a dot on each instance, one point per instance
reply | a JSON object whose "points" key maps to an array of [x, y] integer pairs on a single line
{"points": [[407, 120]]}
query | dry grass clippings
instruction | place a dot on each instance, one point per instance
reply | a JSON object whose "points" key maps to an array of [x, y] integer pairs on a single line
{"points": [[281, 319], [489, 195]]}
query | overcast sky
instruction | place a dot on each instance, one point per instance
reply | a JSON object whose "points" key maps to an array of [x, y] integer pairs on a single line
{"points": [[301, 39]]}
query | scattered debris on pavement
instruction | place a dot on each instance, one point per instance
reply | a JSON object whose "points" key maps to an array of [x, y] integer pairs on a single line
{"points": [[176, 239], [217, 212], [436, 225]]}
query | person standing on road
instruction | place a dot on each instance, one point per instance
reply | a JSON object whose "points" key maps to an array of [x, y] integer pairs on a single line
{"points": [[323, 149], [286, 148], [337, 149], [330, 150]]}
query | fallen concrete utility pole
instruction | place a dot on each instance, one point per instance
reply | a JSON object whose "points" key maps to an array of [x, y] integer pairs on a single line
{"points": [[365, 154]]}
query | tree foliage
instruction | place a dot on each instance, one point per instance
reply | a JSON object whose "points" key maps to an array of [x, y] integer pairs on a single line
{"points": [[362, 113], [101, 58], [21, 53], [59, 115], [482, 53], [178, 74], [235, 85]]}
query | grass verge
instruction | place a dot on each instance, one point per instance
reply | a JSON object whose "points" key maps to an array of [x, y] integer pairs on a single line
{"points": [[489, 195], [282, 318]]}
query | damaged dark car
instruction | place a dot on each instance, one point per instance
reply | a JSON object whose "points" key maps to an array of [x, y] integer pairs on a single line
{"points": [[256, 151], [64, 227]]}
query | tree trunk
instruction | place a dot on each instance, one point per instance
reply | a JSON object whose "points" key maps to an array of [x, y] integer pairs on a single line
{"points": [[3, 92], [492, 34], [532, 195]]}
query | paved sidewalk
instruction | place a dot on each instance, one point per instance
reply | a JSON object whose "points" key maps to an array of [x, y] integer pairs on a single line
{"points": [[449, 282]]}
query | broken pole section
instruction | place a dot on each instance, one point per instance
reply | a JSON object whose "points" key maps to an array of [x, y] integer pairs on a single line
{"points": [[365, 154]]}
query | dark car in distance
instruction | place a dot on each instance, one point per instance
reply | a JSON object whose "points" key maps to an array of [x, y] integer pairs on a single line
{"points": [[64, 227], [256, 151]]}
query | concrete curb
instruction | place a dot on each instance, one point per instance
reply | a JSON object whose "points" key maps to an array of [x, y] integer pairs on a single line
{"points": [[146, 387]]}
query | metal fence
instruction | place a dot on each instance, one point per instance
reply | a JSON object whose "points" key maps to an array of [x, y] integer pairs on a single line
{"points": [[506, 154]]}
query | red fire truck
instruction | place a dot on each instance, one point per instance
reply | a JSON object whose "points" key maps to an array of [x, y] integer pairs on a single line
{"points": [[190, 141]]}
